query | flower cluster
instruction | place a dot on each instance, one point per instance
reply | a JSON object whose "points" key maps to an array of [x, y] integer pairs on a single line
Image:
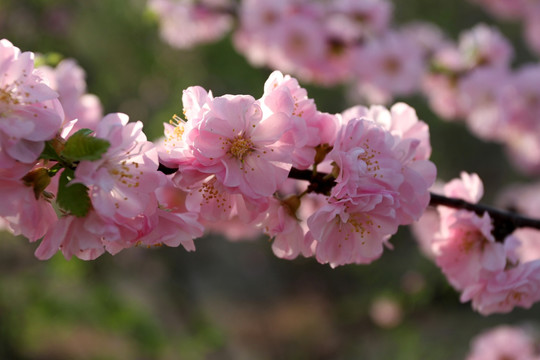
{"points": [[30, 114], [239, 160], [355, 42], [104, 180], [472, 80], [234, 155], [495, 276], [324, 42]]}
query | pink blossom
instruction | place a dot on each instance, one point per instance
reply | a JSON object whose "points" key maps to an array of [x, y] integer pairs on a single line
{"points": [[173, 229], [186, 23], [25, 212], [426, 35], [468, 187], [401, 120], [522, 100], [527, 244], [388, 161], [72, 237], [359, 19], [350, 233], [379, 186], [30, 114], [506, 289], [241, 147], [310, 127], [523, 149], [424, 231], [485, 46], [123, 181], [282, 226], [216, 202], [465, 249], [259, 19], [68, 79], [442, 95], [503, 342], [88, 237], [392, 63], [480, 96], [174, 150]]}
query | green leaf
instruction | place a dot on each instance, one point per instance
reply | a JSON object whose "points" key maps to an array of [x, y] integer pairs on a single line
{"points": [[73, 198], [82, 146], [49, 153]]}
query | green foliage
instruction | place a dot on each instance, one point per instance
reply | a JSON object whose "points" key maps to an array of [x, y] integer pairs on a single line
{"points": [[72, 197], [82, 146], [49, 152]]}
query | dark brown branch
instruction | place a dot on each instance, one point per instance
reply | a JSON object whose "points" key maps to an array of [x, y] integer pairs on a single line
{"points": [[504, 222], [320, 183]]}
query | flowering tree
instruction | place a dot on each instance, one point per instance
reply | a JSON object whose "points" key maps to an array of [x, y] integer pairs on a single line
{"points": [[335, 187]]}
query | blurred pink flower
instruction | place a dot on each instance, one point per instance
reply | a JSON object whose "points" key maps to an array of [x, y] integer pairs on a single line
{"points": [[485, 46], [392, 63], [186, 23], [503, 342], [68, 79]]}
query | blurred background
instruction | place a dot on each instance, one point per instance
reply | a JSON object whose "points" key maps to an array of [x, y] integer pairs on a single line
{"points": [[229, 300]]}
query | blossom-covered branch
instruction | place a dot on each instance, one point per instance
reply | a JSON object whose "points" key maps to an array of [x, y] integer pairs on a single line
{"points": [[504, 222], [364, 172]]}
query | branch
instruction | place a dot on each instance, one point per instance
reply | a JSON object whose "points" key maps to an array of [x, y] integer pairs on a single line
{"points": [[504, 222]]}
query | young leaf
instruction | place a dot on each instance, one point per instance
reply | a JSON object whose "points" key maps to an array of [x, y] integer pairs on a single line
{"points": [[49, 153], [82, 146], [72, 197]]}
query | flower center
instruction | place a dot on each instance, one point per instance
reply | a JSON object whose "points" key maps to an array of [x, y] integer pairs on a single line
{"points": [[7, 99], [392, 65], [240, 147], [369, 157], [127, 173], [174, 136]]}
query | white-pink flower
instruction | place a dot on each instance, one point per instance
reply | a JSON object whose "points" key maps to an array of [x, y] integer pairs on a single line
{"points": [[506, 289], [283, 227], [352, 233], [241, 146], [465, 249], [309, 127], [25, 212], [123, 181], [380, 185], [30, 113]]}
